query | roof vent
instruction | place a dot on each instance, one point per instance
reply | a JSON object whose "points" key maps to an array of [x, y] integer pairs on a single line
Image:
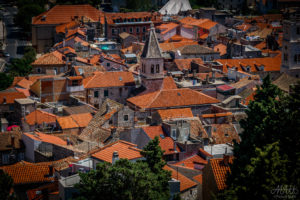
{"points": [[162, 136], [120, 78], [43, 18], [178, 94]]}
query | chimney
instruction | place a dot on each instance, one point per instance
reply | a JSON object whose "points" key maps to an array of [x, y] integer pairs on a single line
{"points": [[115, 157], [12, 141]]}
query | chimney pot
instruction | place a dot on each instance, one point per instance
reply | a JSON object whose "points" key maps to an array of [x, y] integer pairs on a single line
{"points": [[115, 157]]}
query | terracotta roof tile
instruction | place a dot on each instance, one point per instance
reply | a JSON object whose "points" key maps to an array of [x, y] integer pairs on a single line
{"points": [[110, 79], [82, 119], [224, 133], [168, 46], [198, 178], [40, 117], [193, 162], [213, 115], [60, 14], [26, 92], [8, 96], [185, 64], [185, 183], [47, 138], [203, 75], [168, 83], [67, 122], [175, 113], [165, 28], [221, 48], [220, 171], [24, 83], [62, 28], [110, 17], [53, 58], [171, 98], [125, 150]]}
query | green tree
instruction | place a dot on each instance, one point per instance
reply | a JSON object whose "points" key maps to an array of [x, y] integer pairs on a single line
{"points": [[6, 184], [127, 180], [5, 81], [268, 154], [25, 14]]}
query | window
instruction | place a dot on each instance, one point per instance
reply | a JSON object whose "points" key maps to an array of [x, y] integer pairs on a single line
{"points": [[144, 38], [285, 57], [120, 91], [75, 83], [5, 158], [38, 70], [152, 69], [157, 68], [130, 29], [113, 31], [173, 134], [124, 29], [297, 58], [126, 118], [144, 29], [96, 94], [285, 47], [298, 30], [108, 64], [106, 93], [137, 29]]}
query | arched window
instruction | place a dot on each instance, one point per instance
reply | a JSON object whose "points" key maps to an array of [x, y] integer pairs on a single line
{"points": [[157, 68], [152, 69]]}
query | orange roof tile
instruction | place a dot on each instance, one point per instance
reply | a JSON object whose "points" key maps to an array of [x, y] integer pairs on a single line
{"points": [[213, 115], [165, 143], [168, 83], [8, 96], [269, 63], [185, 183], [220, 171], [72, 32], [204, 36], [46, 138], [26, 92], [186, 63], [53, 58], [62, 28], [67, 122], [40, 117], [110, 79], [110, 17], [203, 75], [171, 98], [24, 83], [60, 14], [175, 113], [221, 48], [198, 178], [224, 133], [192, 162], [82, 119], [168, 46], [165, 28], [28, 173], [125, 150]]}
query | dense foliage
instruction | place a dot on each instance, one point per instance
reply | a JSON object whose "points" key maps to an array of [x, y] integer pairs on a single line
{"points": [[22, 66], [268, 156], [6, 184], [127, 180]]}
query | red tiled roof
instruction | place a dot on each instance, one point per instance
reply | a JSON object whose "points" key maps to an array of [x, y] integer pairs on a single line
{"points": [[53, 58], [28, 173], [40, 117], [46, 138], [225, 87], [269, 63], [72, 32], [24, 83], [224, 133], [221, 48], [60, 14], [186, 63], [125, 150], [220, 171], [165, 28], [213, 115], [168, 83], [166, 143], [8, 96], [168, 46], [192, 162], [204, 36], [129, 15], [185, 183], [198, 178], [171, 98], [110, 79], [203, 75], [74, 121], [175, 113], [62, 28], [26, 92]]}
